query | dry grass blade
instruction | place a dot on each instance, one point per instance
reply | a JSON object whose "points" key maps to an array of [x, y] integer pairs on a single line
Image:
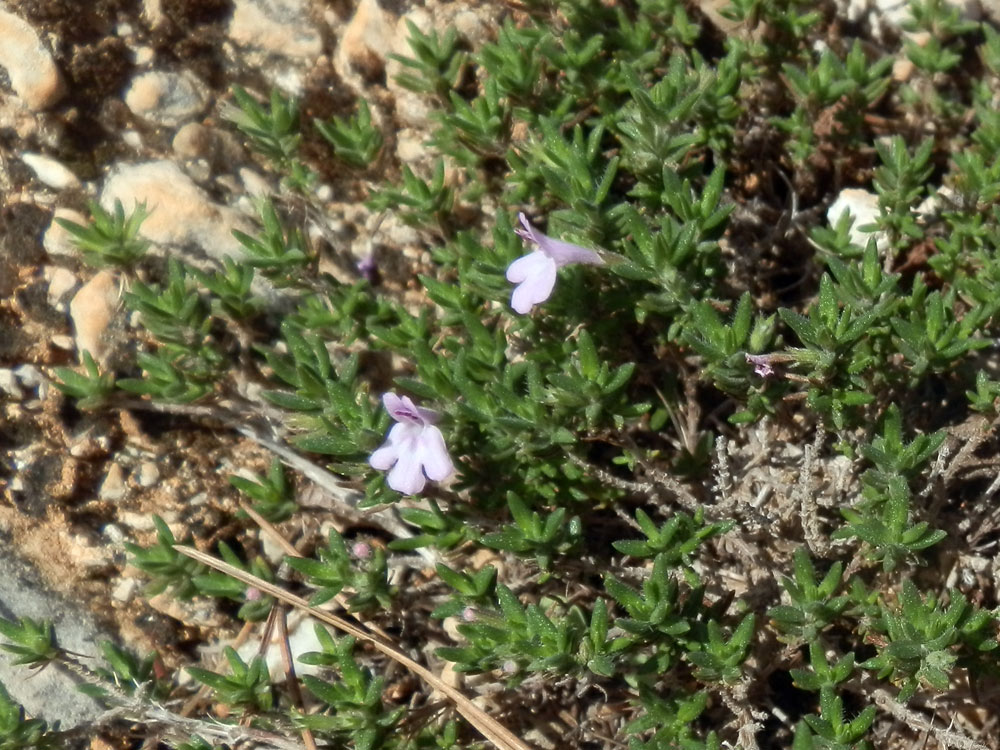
{"points": [[490, 728]]}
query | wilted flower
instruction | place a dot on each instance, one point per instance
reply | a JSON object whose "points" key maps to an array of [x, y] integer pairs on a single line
{"points": [[414, 449], [761, 364], [535, 273]]}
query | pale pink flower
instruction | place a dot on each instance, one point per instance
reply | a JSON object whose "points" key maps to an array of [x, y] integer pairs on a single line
{"points": [[414, 450], [535, 273]]}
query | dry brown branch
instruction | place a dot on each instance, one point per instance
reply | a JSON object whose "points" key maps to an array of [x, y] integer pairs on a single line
{"points": [[488, 726]]}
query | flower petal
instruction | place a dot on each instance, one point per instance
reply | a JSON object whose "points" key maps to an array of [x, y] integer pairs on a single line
{"points": [[527, 266], [383, 458], [392, 403], [535, 288], [433, 454], [406, 476], [564, 253]]}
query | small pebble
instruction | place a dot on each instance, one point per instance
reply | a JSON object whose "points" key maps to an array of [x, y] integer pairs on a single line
{"points": [[149, 474], [113, 486], [49, 171]]}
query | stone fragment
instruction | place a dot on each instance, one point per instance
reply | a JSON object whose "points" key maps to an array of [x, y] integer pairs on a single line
{"points": [[124, 590], [366, 41], [61, 282], [180, 213], [56, 240], [51, 172], [149, 474], [166, 98], [193, 141], [281, 27], [113, 486], [32, 72], [92, 310], [863, 206], [9, 384]]}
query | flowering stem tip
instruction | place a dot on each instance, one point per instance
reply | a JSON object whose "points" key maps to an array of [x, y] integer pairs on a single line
{"points": [[414, 450], [535, 273]]}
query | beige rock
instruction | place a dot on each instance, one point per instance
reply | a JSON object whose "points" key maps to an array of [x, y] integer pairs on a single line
{"points": [[193, 141], [56, 240], [152, 11], [281, 27], [51, 172], [32, 71], [166, 98], [92, 310], [124, 590], [366, 42], [180, 213], [149, 474], [113, 486]]}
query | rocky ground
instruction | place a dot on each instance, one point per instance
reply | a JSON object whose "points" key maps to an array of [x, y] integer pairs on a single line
{"points": [[110, 101]]}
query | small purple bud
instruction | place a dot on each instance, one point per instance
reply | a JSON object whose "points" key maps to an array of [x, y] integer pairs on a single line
{"points": [[469, 615], [509, 667], [368, 268], [761, 364], [253, 594], [361, 550]]}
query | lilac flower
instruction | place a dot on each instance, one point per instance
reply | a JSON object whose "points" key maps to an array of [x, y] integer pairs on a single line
{"points": [[368, 268], [761, 364], [535, 273], [414, 449]]}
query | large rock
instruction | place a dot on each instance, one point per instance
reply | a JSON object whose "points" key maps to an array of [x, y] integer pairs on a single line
{"points": [[180, 212], [47, 693], [33, 73]]}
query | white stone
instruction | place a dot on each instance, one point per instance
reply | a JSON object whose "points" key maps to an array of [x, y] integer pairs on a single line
{"points": [[124, 590], [61, 282], [180, 213], [863, 207], [149, 474], [33, 73], [50, 171], [281, 27], [92, 310], [143, 55], [56, 240], [9, 384], [30, 376], [166, 98], [301, 640]]}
